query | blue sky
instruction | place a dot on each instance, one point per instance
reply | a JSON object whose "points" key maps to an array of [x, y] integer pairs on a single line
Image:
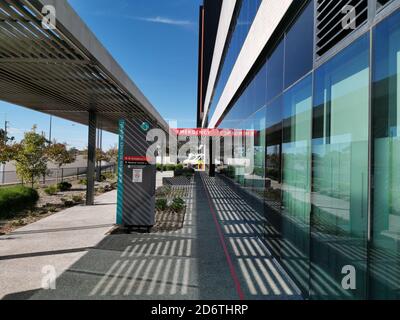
{"points": [[155, 42]]}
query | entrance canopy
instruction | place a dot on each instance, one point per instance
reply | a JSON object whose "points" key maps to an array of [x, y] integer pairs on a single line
{"points": [[65, 72]]}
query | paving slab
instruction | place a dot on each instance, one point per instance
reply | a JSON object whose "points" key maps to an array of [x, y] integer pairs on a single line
{"points": [[217, 255]]}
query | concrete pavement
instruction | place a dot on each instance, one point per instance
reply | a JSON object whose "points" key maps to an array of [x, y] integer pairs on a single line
{"points": [[217, 254], [59, 240]]}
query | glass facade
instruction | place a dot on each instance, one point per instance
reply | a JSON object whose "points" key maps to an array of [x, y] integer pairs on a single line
{"points": [[326, 158], [340, 168], [296, 200], [385, 256]]}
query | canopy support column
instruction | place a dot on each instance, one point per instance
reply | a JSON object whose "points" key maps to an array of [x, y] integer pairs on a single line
{"points": [[91, 163]]}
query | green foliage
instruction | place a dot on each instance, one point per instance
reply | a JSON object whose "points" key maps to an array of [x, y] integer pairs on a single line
{"points": [[58, 153], [16, 199], [83, 182], [4, 138], [51, 190], [112, 154], [7, 151], [159, 167], [100, 155], [31, 157], [64, 186], [169, 167], [101, 190], [163, 191], [179, 167], [77, 199], [186, 172], [109, 176], [161, 204], [68, 203], [178, 204]]}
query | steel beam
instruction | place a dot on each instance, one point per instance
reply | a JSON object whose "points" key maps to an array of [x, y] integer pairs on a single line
{"points": [[91, 164], [211, 159]]}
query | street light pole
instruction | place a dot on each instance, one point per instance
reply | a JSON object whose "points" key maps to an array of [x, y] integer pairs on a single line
{"points": [[3, 166], [50, 129]]}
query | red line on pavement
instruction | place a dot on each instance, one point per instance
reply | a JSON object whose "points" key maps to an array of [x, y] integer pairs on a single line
{"points": [[224, 246]]}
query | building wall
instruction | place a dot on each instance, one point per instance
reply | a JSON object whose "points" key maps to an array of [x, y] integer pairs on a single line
{"points": [[327, 145], [209, 16]]}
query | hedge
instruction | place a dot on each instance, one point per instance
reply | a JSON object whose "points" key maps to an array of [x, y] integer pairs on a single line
{"points": [[15, 199]]}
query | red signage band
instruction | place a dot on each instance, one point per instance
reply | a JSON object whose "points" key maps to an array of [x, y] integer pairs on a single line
{"points": [[137, 158], [198, 132]]}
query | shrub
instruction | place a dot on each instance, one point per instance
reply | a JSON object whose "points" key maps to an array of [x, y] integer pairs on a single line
{"points": [[179, 167], [15, 199], [163, 191], [109, 176], [159, 167], [161, 204], [169, 167], [51, 190], [83, 182], [178, 204], [101, 190], [187, 172], [64, 186], [69, 203], [77, 199]]}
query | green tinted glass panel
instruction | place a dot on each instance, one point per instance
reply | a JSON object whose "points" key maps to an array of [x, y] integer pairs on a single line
{"points": [[385, 249], [339, 217], [296, 159]]}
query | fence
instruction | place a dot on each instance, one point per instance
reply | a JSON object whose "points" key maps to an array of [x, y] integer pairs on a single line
{"points": [[54, 175]]}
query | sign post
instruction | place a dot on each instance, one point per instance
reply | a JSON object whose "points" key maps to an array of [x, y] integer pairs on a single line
{"points": [[136, 177]]}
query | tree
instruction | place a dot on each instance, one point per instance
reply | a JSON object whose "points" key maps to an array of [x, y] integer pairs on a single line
{"points": [[112, 154], [101, 156], [4, 138], [30, 157], [60, 155], [7, 151]]}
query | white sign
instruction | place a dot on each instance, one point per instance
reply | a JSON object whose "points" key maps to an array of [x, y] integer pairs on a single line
{"points": [[137, 176]]}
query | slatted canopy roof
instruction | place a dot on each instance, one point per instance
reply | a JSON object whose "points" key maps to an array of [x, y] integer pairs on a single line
{"points": [[64, 72]]}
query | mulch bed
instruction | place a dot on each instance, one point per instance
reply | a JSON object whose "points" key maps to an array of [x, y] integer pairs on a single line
{"points": [[168, 220], [47, 206]]}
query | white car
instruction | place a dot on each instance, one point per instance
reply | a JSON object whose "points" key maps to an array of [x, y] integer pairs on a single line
{"points": [[193, 160]]}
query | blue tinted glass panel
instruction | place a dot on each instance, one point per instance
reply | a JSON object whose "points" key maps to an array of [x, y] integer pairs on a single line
{"points": [[299, 46], [275, 72]]}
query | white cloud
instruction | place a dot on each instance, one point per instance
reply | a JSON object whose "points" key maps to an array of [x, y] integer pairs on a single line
{"points": [[164, 20]]}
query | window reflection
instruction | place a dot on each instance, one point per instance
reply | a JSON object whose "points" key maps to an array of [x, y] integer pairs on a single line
{"points": [[311, 163], [299, 46], [340, 167], [275, 72], [385, 251], [296, 157]]}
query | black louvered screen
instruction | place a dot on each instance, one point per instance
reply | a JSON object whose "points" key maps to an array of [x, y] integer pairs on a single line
{"points": [[329, 20], [381, 3]]}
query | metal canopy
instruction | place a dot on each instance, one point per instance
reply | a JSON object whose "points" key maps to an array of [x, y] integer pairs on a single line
{"points": [[64, 72]]}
